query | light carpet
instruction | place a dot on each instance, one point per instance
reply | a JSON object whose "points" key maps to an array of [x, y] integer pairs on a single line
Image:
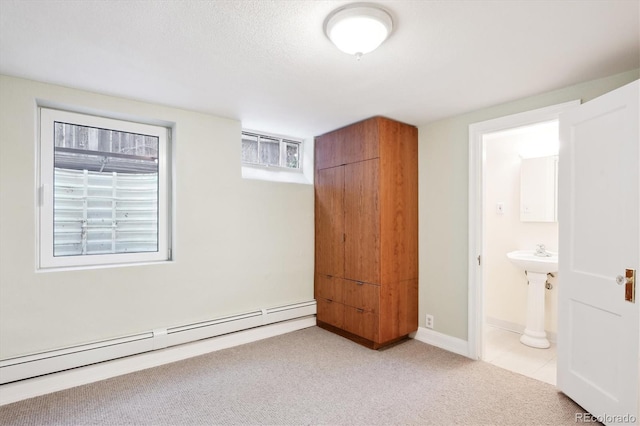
{"points": [[305, 377]]}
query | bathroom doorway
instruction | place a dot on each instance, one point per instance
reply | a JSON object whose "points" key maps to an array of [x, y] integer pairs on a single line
{"points": [[520, 176], [502, 221]]}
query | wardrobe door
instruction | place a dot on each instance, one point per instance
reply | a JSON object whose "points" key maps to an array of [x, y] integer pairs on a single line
{"points": [[360, 141], [357, 142], [362, 221], [329, 222], [329, 150]]}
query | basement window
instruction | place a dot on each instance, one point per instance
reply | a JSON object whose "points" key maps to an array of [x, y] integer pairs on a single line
{"points": [[276, 158], [271, 151], [104, 191]]}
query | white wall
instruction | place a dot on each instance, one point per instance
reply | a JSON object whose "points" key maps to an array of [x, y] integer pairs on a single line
{"points": [[505, 284], [443, 191], [240, 244]]}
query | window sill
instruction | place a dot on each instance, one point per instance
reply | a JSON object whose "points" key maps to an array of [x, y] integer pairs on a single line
{"points": [[105, 266], [274, 174]]}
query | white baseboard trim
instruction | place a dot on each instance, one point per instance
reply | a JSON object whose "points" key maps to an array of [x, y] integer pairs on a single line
{"points": [[443, 341], [516, 328], [29, 388], [47, 362]]}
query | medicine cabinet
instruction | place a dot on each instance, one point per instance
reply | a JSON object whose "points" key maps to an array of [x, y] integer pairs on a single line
{"points": [[539, 189]]}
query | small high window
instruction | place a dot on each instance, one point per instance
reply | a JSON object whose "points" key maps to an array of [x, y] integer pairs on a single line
{"points": [[104, 191], [270, 151]]}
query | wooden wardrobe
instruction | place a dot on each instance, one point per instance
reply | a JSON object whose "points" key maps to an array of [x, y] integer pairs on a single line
{"points": [[366, 231]]}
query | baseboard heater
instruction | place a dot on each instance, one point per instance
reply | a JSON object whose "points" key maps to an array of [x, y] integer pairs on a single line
{"points": [[24, 367]]}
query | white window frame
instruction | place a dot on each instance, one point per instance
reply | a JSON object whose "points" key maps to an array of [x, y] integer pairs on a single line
{"points": [[282, 143], [301, 175], [46, 259]]}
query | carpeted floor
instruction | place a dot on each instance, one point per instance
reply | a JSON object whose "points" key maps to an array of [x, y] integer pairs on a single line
{"points": [[307, 377]]}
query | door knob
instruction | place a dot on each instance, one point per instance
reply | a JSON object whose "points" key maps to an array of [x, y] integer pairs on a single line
{"points": [[622, 280]]}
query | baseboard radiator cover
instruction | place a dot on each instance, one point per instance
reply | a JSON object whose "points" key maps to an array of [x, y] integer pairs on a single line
{"points": [[24, 367]]}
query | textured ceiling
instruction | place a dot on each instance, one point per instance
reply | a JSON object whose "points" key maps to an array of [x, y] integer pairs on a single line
{"points": [[269, 64]]}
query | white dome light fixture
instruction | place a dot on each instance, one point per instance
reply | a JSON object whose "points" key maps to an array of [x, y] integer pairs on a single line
{"points": [[358, 28]]}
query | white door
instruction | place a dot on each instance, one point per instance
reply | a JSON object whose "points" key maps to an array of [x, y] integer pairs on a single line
{"points": [[599, 222]]}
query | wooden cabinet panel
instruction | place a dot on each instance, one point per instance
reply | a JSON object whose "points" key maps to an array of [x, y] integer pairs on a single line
{"points": [[329, 222], [362, 222], [330, 288], [330, 312], [399, 308], [357, 142], [361, 323], [328, 151], [399, 211], [408, 308], [361, 295], [360, 141]]}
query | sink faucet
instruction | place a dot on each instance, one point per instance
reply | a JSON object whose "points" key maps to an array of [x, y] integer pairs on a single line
{"points": [[541, 251]]}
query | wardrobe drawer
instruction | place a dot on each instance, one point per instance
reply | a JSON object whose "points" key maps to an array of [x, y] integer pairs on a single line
{"points": [[328, 287], [330, 312], [361, 323], [362, 295]]}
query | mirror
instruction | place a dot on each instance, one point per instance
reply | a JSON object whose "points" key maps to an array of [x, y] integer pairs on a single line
{"points": [[539, 189]]}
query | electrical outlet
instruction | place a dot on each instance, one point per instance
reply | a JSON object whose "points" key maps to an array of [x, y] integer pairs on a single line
{"points": [[429, 321]]}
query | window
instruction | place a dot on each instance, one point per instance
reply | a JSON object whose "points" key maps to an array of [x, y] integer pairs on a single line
{"points": [[270, 151], [103, 191]]}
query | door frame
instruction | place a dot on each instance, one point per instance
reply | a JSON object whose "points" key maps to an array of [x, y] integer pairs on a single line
{"points": [[476, 205]]}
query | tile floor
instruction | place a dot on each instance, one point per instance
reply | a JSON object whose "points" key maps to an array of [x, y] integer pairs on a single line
{"points": [[503, 349]]}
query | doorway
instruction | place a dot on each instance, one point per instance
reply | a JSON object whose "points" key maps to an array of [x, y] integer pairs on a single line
{"points": [[519, 199], [496, 225]]}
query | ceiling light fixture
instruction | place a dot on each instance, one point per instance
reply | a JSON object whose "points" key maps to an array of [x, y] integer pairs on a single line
{"points": [[358, 28]]}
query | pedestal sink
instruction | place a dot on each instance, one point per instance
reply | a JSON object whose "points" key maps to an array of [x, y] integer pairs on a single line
{"points": [[537, 267]]}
